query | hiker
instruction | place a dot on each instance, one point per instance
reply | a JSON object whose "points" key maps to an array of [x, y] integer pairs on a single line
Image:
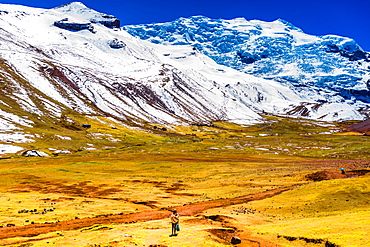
{"points": [[174, 222], [342, 170]]}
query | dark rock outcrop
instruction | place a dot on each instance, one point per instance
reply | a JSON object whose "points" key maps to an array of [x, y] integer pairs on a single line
{"points": [[355, 55], [70, 25], [116, 44], [34, 153], [109, 21]]}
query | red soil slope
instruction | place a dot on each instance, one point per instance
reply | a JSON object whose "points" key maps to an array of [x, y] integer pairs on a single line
{"points": [[363, 127]]}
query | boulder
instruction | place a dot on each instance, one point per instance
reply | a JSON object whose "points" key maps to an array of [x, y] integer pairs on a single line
{"points": [[34, 153], [235, 240], [116, 44]]}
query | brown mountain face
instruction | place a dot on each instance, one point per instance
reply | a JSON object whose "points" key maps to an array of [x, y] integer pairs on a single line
{"points": [[362, 127]]}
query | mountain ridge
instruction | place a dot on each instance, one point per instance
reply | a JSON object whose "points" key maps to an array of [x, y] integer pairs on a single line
{"points": [[74, 60], [272, 50]]}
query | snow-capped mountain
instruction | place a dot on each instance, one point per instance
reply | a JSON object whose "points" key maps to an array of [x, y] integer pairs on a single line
{"points": [[75, 59], [321, 69]]}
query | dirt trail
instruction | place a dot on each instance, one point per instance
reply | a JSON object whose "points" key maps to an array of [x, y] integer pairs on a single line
{"points": [[186, 210]]}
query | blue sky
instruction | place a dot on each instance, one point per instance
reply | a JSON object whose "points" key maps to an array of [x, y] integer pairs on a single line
{"points": [[349, 18]]}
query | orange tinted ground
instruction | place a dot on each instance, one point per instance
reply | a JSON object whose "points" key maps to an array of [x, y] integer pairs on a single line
{"points": [[186, 210], [192, 209]]}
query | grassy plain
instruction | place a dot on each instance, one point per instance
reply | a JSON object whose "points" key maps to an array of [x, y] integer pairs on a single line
{"points": [[115, 170]]}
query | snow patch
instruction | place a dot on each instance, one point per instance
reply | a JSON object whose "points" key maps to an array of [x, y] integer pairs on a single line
{"points": [[9, 149]]}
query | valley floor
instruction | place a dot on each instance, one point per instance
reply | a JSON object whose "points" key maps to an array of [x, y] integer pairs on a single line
{"points": [[128, 211], [276, 184]]}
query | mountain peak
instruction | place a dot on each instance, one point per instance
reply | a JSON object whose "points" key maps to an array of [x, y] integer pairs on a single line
{"points": [[77, 9], [81, 11], [72, 6], [289, 25]]}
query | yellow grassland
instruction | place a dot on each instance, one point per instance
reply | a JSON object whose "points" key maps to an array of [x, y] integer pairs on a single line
{"points": [[117, 169], [336, 210]]}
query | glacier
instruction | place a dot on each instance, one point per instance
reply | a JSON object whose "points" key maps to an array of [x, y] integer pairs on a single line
{"points": [[329, 68], [191, 71]]}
